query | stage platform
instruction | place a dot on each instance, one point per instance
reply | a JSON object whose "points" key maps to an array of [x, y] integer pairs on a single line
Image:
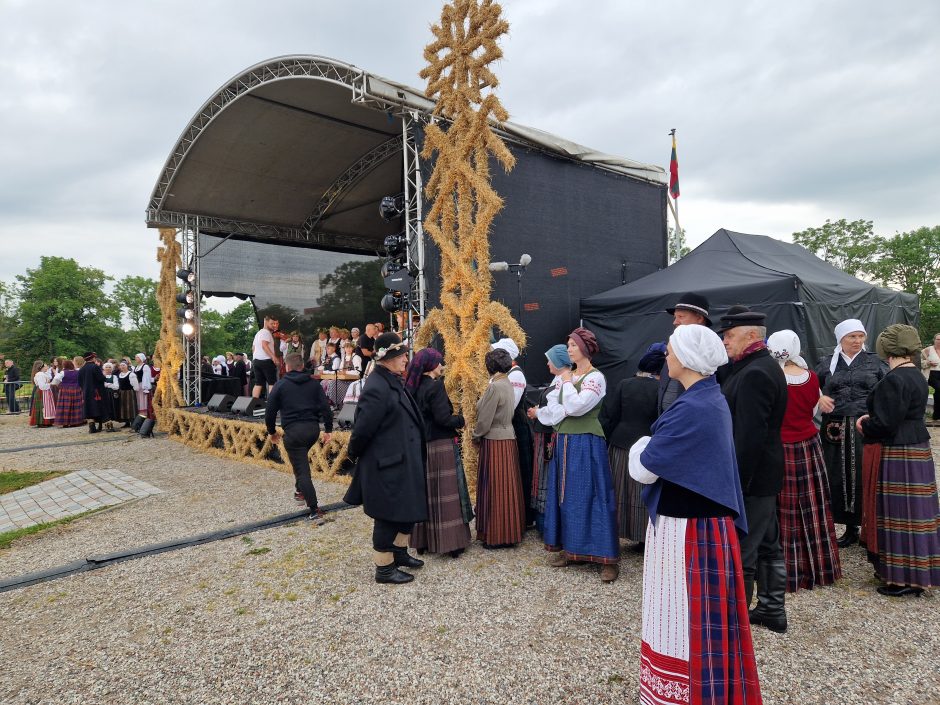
{"points": [[246, 439]]}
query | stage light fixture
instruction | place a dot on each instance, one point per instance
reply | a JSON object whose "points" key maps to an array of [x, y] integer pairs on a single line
{"points": [[396, 244], [392, 302], [391, 207], [390, 267], [187, 276], [186, 313], [188, 329], [185, 298]]}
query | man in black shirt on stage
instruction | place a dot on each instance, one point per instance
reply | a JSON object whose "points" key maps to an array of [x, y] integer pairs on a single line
{"points": [[303, 405]]}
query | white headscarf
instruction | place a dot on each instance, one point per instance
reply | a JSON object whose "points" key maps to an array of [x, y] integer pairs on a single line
{"points": [[850, 325], [141, 357], [698, 348], [784, 345], [508, 345]]}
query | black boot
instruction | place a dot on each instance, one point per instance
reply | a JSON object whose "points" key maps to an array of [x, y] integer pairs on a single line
{"points": [[748, 592], [404, 559], [390, 574], [771, 611], [91, 427], [849, 537]]}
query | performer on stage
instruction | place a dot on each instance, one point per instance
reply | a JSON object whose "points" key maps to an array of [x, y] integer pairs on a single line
{"points": [[580, 509], [696, 645], [302, 405], [901, 526], [265, 357], [388, 448]]}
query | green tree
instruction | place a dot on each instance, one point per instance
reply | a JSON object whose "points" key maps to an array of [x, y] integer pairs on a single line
{"points": [[353, 298], [63, 310], [137, 298], [7, 315], [911, 262], [850, 246], [212, 331], [240, 326], [680, 245]]}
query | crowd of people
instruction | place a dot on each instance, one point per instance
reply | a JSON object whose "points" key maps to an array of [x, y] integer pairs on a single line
{"points": [[725, 460], [85, 389]]}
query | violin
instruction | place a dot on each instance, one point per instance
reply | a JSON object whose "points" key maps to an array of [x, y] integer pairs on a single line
{"points": [[280, 335]]}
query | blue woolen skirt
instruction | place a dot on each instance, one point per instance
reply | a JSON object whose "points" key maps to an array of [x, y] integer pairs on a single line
{"points": [[580, 507]]}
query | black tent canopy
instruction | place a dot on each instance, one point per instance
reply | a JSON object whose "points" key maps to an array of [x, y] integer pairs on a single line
{"points": [[796, 290]]}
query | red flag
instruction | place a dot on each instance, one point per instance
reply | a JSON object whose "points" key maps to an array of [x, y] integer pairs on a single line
{"points": [[674, 171]]}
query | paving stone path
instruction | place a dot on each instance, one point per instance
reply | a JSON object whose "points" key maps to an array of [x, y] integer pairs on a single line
{"points": [[68, 495]]}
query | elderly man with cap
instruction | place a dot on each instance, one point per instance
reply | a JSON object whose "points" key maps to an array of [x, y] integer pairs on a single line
{"points": [[520, 423], [846, 380], [690, 309], [91, 380], [580, 508], [756, 390], [389, 450]]}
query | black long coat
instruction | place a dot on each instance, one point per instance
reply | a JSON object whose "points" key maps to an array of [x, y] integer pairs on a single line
{"points": [[756, 391], [91, 380], [630, 411], [388, 442]]}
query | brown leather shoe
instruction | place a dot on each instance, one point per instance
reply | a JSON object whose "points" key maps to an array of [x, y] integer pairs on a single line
{"points": [[610, 572], [558, 559]]}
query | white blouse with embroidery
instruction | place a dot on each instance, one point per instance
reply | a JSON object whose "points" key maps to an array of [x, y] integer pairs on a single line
{"points": [[573, 403]]}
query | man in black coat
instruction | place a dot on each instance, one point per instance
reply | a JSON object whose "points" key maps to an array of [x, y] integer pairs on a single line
{"points": [[302, 404], [240, 371], [756, 390], [11, 379], [91, 380], [389, 449], [690, 309]]}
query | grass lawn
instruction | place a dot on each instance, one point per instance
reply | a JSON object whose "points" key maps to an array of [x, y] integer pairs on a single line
{"points": [[12, 481], [8, 537]]}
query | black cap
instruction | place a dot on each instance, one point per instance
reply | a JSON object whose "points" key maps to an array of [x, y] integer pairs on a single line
{"points": [[739, 315], [388, 346], [695, 303]]}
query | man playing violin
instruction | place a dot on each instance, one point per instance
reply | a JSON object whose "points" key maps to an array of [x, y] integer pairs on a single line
{"points": [[264, 353]]}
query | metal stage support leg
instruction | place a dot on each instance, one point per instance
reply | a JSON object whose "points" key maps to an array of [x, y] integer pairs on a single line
{"points": [[192, 345], [414, 230]]}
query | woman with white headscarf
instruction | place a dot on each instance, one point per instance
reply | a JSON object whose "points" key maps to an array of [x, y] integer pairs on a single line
{"points": [[144, 385], [807, 532], [846, 380], [696, 643]]}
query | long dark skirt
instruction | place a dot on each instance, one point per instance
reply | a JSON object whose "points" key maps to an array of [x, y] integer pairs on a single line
{"points": [[632, 516], [807, 532], [843, 458], [42, 410], [127, 405], [445, 530], [70, 407], [500, 509], [908, 517], [543, 444]]}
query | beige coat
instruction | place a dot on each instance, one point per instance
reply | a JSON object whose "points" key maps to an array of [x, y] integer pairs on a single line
{"points": [[930, 360], [495, 410]]}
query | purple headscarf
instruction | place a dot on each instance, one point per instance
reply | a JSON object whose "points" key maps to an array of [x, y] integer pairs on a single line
{"points": [[425, 360]]}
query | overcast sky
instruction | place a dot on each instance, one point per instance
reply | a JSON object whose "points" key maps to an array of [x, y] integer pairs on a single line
{"points": [[787, 113]]}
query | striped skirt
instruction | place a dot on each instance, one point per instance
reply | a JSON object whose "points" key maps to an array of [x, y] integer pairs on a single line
{"points": [[42, 411], [580, 510], [144, 407], [908, 517], [696, 645], [542, 446], [500, 508], [445, 530], [70, 407], [127, 405], [632, 516], [807, 532]]}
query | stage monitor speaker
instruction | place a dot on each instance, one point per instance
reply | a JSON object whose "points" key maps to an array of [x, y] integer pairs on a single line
{"points": [[246, 406], [221, 403], [344, 419], [138, 422], [146, 428]]}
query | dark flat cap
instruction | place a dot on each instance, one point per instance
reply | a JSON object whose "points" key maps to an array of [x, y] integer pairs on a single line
{"points": [[694, 303], [739, 315]]}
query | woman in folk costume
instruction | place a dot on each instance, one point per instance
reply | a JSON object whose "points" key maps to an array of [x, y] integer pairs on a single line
{"points": [[696, 637], [70, 406], [846, 380], [930, 362], [901, 518], [807, 532], [626, 415], [144, 385], [580, 507], [126, 408], [520, 424], [42, 411], [543, 435], [500, 506], [447, 529], [111, 393]]}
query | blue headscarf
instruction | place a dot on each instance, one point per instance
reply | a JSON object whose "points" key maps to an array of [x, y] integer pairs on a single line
{"points": [[558, 356]]}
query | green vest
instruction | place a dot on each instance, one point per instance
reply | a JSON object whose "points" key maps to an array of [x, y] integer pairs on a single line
{"points": [[588, 423]]}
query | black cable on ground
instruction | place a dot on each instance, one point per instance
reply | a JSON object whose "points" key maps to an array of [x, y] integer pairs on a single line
{"points": [[106, 439], [103, 560]]}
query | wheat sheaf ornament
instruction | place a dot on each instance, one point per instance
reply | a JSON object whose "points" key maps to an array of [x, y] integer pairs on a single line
{"points": [[168, 355], [461, 140]]}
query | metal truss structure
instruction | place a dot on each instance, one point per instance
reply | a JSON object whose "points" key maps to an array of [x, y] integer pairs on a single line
{"points": [[190, 225]]}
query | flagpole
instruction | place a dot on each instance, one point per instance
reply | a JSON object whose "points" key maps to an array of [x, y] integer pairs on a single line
{"points": [[674, 202]]}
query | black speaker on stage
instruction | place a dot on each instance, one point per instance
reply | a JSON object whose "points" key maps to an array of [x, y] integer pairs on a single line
{"points": [[344, 419], [138, 422], [146, 428], [246, 406], [221, 403]]}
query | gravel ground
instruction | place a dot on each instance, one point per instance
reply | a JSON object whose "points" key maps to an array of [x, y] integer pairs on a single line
{"points": [[291, 614]]}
